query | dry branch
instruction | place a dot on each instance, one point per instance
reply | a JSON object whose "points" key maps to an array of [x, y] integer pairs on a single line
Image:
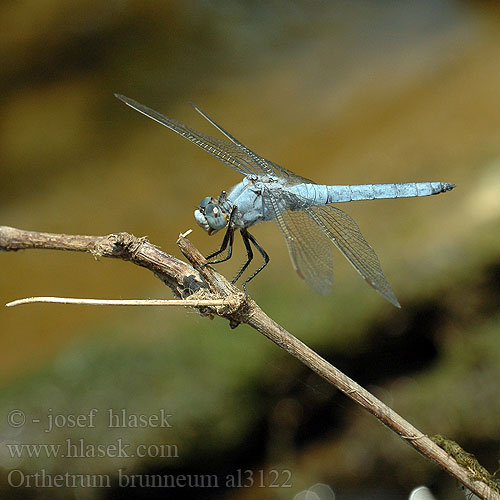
{"points": [[198, 282]]}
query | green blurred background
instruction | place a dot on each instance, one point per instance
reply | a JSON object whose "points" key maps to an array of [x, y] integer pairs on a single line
{"points": [[340, 92]]}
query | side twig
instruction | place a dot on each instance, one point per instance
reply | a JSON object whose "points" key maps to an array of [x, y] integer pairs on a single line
{"points": [[118, 302], [203, 283]]}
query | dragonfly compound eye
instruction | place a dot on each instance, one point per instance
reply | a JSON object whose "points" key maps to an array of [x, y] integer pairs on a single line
{"points": [[210, 215]]}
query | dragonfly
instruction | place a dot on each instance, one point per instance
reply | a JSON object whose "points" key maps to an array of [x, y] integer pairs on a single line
{"points": [[302, 210]]}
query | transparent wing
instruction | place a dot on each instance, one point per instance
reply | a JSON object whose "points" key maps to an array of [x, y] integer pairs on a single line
{"points": [[309, 248], [347, 237], [263, 164], [234, 153], [291, 178]]}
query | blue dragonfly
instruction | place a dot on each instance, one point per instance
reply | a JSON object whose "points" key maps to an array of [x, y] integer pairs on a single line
{"points": [[301, 208]]}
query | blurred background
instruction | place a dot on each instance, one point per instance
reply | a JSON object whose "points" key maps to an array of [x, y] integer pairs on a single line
{"points": [[340, 92]]}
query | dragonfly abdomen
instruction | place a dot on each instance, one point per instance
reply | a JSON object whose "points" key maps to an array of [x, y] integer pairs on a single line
{"points": [[340, 194]]}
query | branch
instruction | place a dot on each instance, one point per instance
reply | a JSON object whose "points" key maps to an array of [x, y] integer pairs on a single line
{"points": [[119, 302], [198, 282]]}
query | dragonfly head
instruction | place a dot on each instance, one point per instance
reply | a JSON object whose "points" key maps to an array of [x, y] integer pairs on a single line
{"points": [[210, 215]]}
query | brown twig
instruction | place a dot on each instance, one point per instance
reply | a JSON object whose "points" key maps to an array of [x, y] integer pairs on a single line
{"points": [[204, 282]]}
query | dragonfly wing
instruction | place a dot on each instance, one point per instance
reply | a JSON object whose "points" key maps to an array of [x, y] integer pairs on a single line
{"points": [[265, 167], [263, 164], [345, 234], [233, 152], [227, 152], [309, 248], [291, 178]]}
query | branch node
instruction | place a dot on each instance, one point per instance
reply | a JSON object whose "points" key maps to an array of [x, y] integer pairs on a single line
{"points": [[236, 307]]}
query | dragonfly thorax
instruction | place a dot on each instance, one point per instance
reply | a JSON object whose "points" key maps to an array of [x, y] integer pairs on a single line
{"points": [[211, 215]]}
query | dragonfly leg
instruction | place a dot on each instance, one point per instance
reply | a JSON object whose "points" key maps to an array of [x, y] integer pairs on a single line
{"points": [[222, 197], [228, 240], [247, 239]]}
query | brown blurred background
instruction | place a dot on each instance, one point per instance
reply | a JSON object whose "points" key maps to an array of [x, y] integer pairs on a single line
{"points": [[340, 92]]}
